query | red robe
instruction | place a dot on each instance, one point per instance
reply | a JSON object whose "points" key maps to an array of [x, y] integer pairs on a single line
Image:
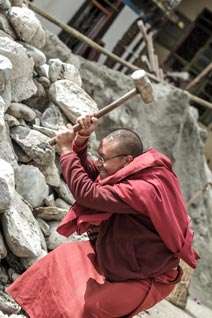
{"points": [[144, 229], [143, 209]]}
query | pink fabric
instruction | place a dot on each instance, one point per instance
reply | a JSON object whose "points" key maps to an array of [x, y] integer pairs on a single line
{"points": [[57, 287]]}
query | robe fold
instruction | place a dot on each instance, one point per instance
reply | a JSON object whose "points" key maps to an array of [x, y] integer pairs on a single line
{"points": [[143, 232]]}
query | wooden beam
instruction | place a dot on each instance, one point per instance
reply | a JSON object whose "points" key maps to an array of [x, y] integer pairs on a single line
{"points": [[85, 39], [198, 78], [97, 47]]}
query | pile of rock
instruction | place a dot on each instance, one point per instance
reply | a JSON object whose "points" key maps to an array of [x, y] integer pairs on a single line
{"points": [[36, 97]]}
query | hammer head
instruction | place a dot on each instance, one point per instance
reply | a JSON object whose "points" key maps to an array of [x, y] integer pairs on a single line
{"points": [[143, 86]]}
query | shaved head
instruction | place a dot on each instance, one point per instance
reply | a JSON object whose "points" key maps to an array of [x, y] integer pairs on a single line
{"points": [[126, 141]]}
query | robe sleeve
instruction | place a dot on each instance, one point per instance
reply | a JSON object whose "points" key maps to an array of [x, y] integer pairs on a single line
{"points": [[87, 164], [91, 194]]}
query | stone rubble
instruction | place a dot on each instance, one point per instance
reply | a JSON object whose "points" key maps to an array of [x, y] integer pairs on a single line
{"points": [[42, 87]]}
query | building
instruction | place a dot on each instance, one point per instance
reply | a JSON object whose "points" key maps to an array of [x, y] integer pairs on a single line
{"points": [[182, 34]]}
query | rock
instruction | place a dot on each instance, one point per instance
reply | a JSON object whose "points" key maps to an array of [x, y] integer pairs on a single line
{"points": [[22, 85], [54, 47], [43, 70], [34, 188], [21, 154], [51, 174], [21, 230], [2, 106], [17, 3], [27, 26], [45, 131], [72, 100], [19, 110], [3, 249], [50, 213], [53, 118], [64, 193], [5, 5], [59, 71], [14, 262], [29, 261], [55, 239], [50, 200], [34, 144], [7, 185], [44, 81], [44, 226], [6, 148], [37, 55], [5, 84], [11, 121], [40, 99], [6, 26], [62, 204], [3, 275], [7, 304]]}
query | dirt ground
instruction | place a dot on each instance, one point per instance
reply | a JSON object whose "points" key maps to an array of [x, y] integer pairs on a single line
{"points": [[165, 309]]}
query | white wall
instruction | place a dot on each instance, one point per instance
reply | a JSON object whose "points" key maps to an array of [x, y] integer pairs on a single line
{"points": [[60, 9], [121, 24]]}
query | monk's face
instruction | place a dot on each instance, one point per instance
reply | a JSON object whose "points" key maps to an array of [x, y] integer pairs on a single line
{"points": [[110, 160]]}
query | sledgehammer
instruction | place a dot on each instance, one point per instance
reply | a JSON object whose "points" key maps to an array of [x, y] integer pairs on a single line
{"points": [[142, 86]]}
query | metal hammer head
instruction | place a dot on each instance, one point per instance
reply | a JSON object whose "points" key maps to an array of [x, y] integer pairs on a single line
{"points": [[143, 86]]}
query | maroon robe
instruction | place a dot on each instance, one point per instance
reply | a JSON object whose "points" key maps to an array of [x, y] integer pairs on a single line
{"points": [[144, 231]]}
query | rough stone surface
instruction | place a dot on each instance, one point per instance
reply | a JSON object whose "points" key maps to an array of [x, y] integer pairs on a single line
{"points": [[20, 229], [34, 188], [19, 110], [7, 184], [3, 249], [59, 71], [5, 76], [27, 26], [71, 99], [5, 5], [22, 85], [37, 55], [53, 118], [6, 148], [34, 144]]}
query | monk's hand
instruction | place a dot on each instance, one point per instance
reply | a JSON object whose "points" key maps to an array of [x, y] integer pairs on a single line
{"points": [[64, 137], [88, 123]]}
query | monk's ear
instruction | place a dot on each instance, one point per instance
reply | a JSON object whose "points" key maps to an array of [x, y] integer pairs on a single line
{"points": [[127, 160]]}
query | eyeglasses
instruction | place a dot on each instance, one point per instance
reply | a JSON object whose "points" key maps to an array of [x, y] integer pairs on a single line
{"points": [[103, 159]]}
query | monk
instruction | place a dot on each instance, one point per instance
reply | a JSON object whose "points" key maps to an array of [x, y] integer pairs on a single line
{"points": [[130, 204]]}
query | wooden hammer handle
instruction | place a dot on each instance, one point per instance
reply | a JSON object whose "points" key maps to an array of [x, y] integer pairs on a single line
{"points": [[104, 110]]}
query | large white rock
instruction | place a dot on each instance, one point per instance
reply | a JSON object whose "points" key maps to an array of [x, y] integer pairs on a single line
{"points": [[34, 188], [21, 230], [27, 26], [22, 85], [71, 99], [34, 144]]}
